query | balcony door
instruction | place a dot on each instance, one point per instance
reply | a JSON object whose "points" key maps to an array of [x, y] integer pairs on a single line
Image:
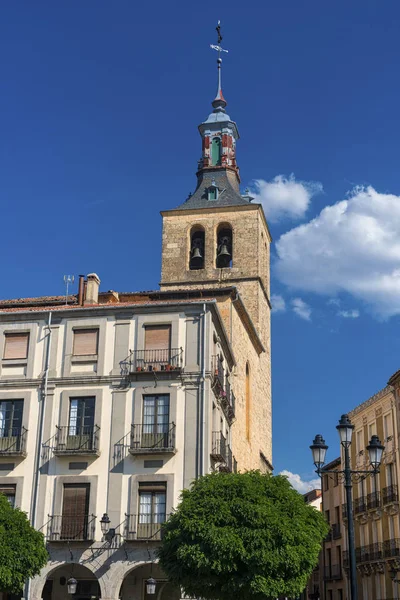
{"points": [[152, 510], [81, 423], [155, 429], [157, 344], [75, 518], [10, 424]]}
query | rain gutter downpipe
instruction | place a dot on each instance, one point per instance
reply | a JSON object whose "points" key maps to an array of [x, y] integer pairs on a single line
{"points": [[36, 475]]}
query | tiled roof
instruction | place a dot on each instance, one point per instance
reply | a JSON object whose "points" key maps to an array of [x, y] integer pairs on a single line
{"points": [[228, 195]]}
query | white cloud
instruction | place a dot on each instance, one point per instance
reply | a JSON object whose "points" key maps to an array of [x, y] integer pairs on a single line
{"points": [[284, 197], [299, 484], [349, 314], [301, 308], [333, 302], [352, 246], [278, 303]]}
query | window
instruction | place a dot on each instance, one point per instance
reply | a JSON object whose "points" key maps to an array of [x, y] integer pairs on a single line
{"points": [[371, 430], [216, 152], [81, 415], [74, 520], [248, 401], [9, 492], [328, 516], [337, 514], [336, 479], [359, 441], [326, 482], [10, 418], [152, 509], [387, 426], [212, 192], [85, 342], [16, 346], [389, 474], [155, 421], [340, 594], [157, 343]]}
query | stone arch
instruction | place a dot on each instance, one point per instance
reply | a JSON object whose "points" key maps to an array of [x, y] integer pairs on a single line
{"points": [[197, 243], [65, 568]]}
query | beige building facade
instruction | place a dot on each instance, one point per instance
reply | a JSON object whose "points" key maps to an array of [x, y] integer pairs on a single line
{"points": [[112, 403]]}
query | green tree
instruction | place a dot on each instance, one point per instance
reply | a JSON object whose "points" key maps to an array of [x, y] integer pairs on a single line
{"points": [[22, 549], [247, 536]]}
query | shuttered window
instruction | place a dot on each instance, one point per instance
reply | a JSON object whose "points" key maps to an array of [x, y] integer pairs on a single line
{"points": [[85, 342], [74, 524], [157, 337], [16, 345]]}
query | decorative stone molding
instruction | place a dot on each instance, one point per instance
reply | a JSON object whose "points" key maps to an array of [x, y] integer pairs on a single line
{"points": [[392, 509]]}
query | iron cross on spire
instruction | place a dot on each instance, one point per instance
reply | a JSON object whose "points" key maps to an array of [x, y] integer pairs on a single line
{"points": [[219, 49]]}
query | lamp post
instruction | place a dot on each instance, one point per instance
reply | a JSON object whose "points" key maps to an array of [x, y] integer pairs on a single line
{"points": [[375, 450]]}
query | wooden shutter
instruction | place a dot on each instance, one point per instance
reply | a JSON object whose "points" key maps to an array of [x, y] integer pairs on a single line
{"points": [[157, 337], [74, 523], [16, 345], [85, 341]]}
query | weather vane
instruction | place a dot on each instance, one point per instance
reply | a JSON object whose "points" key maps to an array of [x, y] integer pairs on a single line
{"points": [[218, 46]]}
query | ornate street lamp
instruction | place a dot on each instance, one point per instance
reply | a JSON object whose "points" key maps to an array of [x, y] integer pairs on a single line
{"points": [[71, 585], [375, 451], [151, 586], [105, 523]]}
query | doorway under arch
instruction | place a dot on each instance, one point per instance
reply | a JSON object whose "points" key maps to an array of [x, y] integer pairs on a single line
{"points": [[55, 588], [134, 584]]}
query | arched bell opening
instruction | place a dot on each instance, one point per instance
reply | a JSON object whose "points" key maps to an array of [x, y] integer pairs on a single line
{"points": [[56, 585], [224, 247], [197, 248]]}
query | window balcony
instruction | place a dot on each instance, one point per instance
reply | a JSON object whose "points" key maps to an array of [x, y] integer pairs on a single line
{"points": [[73, 441], [336, 533], [373, 500], [333, 572], [168, 362], [68, 528], [222, 453], [13, 442], [391, 548], [390, 494], [144, 527], [152, 439], [218, 376], [359, 505]]}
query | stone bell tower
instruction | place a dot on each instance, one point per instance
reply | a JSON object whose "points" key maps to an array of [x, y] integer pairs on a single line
{"points": [[218, 237]]}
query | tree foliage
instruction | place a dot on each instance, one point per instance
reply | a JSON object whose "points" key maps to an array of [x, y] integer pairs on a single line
{"points": [[247, 536], [22, 549]]}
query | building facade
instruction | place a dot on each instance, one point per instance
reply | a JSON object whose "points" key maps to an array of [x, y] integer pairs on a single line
{"points": [[376, 501], [112, 403]]}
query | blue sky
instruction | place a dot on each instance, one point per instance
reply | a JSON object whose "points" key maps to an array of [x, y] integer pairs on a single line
{"points": [[99, 107]]}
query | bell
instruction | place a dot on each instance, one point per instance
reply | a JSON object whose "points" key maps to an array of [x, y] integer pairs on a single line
{"points": [[223, 257], [196, 254], [196, 262], [224, 251]]}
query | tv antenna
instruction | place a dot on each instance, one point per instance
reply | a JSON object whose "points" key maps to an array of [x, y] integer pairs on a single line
{"points": [[67, 280]]}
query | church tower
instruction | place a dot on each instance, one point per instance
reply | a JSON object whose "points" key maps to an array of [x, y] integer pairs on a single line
{"points": [[219, 239]]}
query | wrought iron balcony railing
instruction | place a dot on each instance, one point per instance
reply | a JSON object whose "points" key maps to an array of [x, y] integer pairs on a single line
{"points": [[144, 526], [391, 547], [336, 533], [390, 494], [71, 527], [332, 572], [218, 375], [359, 505], [165, 361], [71, 440], [374, 551], [218, 450], [152, 438], [373, 500], [222, 453], [13, 441]]}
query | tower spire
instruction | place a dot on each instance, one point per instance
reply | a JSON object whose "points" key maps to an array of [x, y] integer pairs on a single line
{"points": [[219, 102]]}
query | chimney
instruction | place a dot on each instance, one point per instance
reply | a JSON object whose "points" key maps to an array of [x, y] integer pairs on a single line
{"points": [[92, 289], [81, 289]]}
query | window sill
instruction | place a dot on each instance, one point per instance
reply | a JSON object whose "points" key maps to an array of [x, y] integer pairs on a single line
{"points": [[10, 362], [84, 358]]}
